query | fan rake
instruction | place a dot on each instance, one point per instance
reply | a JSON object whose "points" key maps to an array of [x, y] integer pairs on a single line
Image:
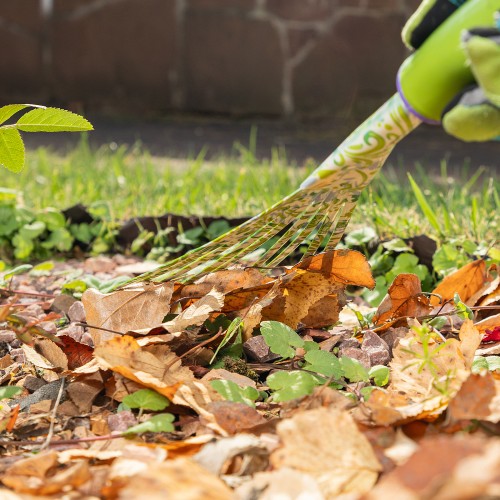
{"points": [[315, 216]]}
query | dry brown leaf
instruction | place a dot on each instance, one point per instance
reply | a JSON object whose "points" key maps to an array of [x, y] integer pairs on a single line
{"points": [[327, 444], [196, 313], [478, 398], [300, 294], [235, 417], [40, 475], [348, 267], [36, 359], [284, 483], [422, 389], [404, 299], [490, 292], [488, 323], [419, 389], [218, 456], [158, 368], [139, 306], [52, 352], [163, 373], [224, 281], [179, 479], [83, 391], [445, 468], [466, 281]]}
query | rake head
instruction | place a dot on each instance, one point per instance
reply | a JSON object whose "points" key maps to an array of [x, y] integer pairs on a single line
{"points": [[314, 216], [308, 218]]}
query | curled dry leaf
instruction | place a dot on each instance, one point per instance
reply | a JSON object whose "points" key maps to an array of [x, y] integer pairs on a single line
{"points": [[344, 266], [445, 468], [302, 293], [139, 306], [466, 281], [36, 359], [404, 299], [179, 479], [40, 475], [327, 444], [422, 385], [155, 367], [478, 398]]}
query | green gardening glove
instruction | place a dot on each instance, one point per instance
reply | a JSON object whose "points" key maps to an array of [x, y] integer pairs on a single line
{"points": [[474, 114]]}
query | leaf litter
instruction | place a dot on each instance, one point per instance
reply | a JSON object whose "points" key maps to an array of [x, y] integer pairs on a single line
{"points": [[250, 384]]}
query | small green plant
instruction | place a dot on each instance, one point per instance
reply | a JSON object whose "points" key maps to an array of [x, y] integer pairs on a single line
{"points": [[233, 392], [38, 119], [486, 363], [9, 392], [316, 367], [147, 399], [157, 423]]}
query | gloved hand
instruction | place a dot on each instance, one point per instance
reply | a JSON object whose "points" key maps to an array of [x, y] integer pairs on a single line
{"points": [[474, 114]]}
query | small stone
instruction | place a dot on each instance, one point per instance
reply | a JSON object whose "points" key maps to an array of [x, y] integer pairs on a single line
{"points": [[18, 355], [393, 335], [7, 336], [257, 350], [376, 348], [121, 421], [32, 383], [357, 354], [76, 312], [344, 344], [95, 265], [315, 334], [62, 303]]}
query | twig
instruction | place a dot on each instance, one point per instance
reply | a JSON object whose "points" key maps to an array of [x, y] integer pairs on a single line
{"points": [[61, 442], [9, 291], [53, 416]]}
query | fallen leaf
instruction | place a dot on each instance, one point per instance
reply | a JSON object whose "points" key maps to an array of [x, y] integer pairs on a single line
{"points": [[196, 313], [161, 370], [327, 444], [422, 386], [52, 352], [301, 293], [155, 367], [138, 306], [284, 483], [179, 479], [445, 468], [348, 267], [77, 354], [217, 456], [36, 359], [465, 281], [404, 299], [478, 398]]}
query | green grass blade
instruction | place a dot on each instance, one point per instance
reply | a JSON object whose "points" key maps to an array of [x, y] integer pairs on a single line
{"points": [[424, 206]]}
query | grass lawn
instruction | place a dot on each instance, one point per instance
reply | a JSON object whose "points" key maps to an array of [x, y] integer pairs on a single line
{"points": [[134, 183]]}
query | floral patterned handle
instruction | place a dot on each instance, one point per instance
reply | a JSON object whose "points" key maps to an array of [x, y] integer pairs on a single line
{"points": [[352, 166]]}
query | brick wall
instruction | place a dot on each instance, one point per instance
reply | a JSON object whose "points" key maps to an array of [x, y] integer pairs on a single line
{"points": [[287, 58]]}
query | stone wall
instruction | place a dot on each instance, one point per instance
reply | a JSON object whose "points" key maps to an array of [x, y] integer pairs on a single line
{"points": [[285, 58]]}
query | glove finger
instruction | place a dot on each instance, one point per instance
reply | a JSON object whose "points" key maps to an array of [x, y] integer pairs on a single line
{"points": [[482, 47], [429, 15], [472, 117]]}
